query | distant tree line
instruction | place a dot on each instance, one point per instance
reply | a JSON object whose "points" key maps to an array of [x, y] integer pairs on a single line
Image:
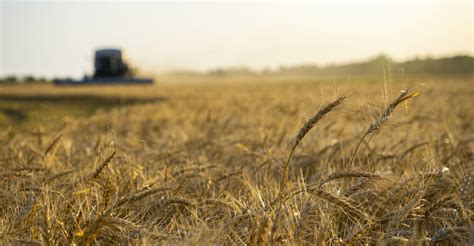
{"points": [[456, 65], [29, 79]]}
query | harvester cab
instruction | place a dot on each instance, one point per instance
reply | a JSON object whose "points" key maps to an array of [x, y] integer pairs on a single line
{"points": [[110, 63]]}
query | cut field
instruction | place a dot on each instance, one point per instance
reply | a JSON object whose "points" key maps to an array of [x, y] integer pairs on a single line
{"points": [[204, 163]]}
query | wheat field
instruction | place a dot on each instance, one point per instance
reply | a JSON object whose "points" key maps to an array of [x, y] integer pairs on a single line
{"points": [[239, 163]]}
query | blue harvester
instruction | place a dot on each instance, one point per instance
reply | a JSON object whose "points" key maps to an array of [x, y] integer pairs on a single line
{"points": [[110, 67]]}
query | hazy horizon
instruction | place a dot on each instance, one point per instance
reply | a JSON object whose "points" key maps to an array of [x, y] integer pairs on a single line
{"points": [[58, 39]]}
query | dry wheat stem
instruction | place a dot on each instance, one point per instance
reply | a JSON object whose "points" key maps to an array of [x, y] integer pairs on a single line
{"points": [[344, 203], [349, 174]]}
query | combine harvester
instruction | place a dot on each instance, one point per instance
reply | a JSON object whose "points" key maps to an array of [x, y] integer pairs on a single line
{"points": [[111, 68]]}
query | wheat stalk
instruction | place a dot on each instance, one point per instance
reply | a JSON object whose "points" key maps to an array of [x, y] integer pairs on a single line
{"points": [[308, 125], [52, 144], [403, 96], [99, 169]]}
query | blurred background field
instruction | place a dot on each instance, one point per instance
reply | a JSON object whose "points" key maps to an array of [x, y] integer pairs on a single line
{"points": [[31, 99]]}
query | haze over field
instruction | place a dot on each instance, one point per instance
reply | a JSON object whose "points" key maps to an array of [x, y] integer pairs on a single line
{"points": [[58, 38]]}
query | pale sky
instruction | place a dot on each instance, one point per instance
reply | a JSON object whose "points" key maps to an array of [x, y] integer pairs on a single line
{"points": [[54, 38]]}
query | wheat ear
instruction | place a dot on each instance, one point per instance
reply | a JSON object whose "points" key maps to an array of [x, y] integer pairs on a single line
{"points": [[308, 125], [99, 169], [403, 96]]}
